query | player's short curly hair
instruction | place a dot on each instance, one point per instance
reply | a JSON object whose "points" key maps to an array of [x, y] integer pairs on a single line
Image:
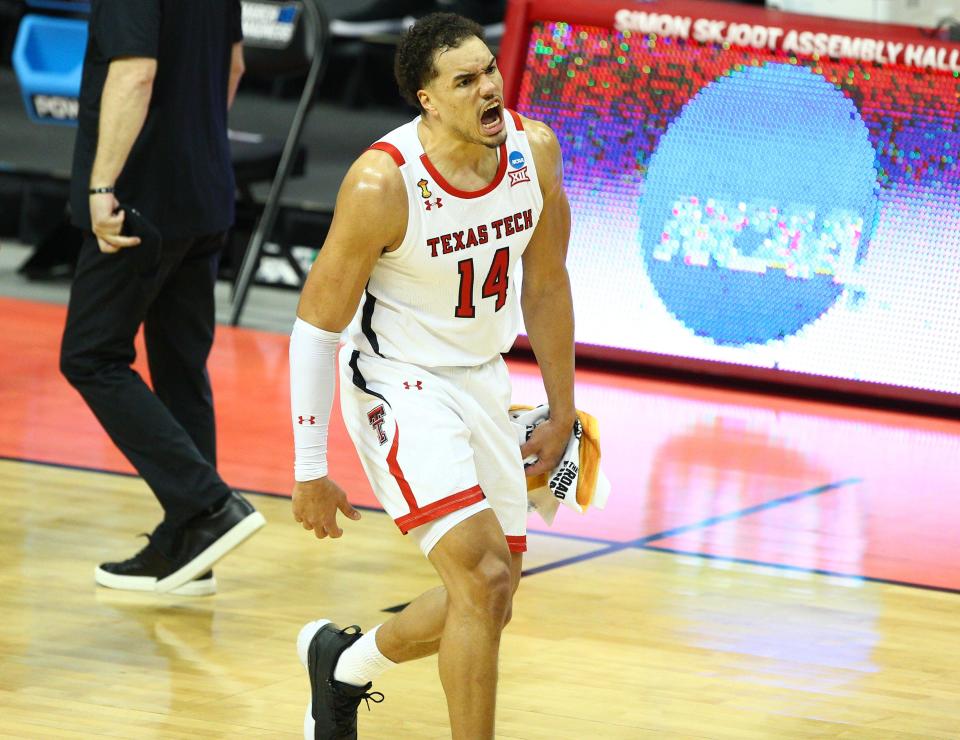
{"points": [[413, 66]]}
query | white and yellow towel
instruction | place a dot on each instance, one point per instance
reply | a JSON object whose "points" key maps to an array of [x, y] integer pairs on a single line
{"points": [[577, 481]]}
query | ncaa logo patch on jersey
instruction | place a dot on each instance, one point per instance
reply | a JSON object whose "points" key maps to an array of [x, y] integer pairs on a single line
{"points": [[519, 165]]}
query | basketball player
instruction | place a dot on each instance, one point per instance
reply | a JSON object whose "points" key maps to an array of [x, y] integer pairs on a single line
{"points": [[430, 228]]}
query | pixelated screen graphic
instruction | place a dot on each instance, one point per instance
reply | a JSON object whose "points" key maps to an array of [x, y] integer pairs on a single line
{"points": [[752, 207]]}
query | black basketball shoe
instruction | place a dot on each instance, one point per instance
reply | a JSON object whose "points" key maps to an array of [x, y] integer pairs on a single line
{"points": [[140, 573], [208, 537], [332, 712]]}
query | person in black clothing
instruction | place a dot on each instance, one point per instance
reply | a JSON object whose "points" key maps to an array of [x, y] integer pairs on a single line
{"points": [[153, 189]]}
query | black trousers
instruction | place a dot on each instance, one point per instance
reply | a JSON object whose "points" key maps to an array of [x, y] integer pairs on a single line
{"points": [[168, 434]]}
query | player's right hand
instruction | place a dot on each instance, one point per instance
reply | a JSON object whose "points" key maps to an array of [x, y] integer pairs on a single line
{"points": [[315, 505]]}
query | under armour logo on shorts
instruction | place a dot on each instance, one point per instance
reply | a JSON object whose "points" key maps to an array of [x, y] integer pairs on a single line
{"points": [[311, 420], [418, 385]]}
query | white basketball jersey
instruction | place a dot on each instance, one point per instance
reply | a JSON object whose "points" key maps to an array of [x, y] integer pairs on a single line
{"points": [[447, 296]]}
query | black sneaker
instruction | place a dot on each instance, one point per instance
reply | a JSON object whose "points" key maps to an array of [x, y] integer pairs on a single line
{"points": [[332, 712], [140, 573], [207, 538]]}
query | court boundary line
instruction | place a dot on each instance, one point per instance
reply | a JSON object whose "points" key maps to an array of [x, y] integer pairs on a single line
{"points": [[790, 498], [612, 546], [800, 569], [640, 542], [275, 494]]}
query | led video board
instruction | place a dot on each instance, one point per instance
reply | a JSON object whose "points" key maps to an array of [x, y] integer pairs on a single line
{"points": [[742, 197]]}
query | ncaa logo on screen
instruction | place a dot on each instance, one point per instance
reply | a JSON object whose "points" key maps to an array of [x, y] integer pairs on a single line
{"points": [[519, 165], [755, 222]]}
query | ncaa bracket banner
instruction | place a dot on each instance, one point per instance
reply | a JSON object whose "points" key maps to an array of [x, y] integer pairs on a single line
{"points": [[754, 193]]}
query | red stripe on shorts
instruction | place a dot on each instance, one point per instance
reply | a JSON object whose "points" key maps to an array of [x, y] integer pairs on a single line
{"points": [[517, 543], [440, 508], [397, 472]]}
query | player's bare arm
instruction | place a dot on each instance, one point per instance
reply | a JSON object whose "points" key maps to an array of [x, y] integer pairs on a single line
{"points": [[370, 218], [546, 301]]}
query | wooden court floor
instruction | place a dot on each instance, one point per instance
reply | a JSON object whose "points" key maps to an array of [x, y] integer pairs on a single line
{"points": [[766, 568]]}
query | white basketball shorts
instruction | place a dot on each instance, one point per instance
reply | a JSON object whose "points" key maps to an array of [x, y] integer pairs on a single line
{"points": [[437, 445]]}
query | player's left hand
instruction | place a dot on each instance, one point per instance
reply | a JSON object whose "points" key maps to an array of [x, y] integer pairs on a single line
{"points": [[547, 444]]}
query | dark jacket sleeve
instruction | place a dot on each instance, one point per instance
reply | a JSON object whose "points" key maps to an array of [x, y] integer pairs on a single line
{"points": [[126, 28], [236, 24]]}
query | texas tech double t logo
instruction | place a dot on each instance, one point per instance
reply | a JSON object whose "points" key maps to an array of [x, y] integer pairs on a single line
{"points": [[376, 419]]}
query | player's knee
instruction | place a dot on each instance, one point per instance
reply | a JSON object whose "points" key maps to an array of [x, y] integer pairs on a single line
{"points": [[514, 585], [491, 589], [496, 585]]}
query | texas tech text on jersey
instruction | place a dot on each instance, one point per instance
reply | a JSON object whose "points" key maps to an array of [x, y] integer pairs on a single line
{"points": [[478, 235]]}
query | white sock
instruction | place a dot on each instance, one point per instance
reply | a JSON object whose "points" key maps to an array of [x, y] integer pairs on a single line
{"points": [[362, 662]]}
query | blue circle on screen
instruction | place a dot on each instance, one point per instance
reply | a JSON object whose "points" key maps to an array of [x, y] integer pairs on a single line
{"points": [[758, 201]]}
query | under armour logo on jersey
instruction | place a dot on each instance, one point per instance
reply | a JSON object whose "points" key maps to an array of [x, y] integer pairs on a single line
{"points": [[376, 418], [424, 190], [431, 203], [311, 420], [418, 385]]}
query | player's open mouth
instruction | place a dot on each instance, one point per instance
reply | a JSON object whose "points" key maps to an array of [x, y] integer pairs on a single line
{"points": [[491, 119]]}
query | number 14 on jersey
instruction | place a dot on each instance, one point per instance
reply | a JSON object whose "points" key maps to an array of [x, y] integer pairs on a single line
{"points": [[494, 285]]}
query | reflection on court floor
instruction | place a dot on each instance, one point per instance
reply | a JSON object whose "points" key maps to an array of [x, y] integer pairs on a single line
{"points": [[712, 473]]}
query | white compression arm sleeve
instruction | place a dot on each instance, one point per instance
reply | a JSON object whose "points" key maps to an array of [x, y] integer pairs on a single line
{"points": [[312, 382]]}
